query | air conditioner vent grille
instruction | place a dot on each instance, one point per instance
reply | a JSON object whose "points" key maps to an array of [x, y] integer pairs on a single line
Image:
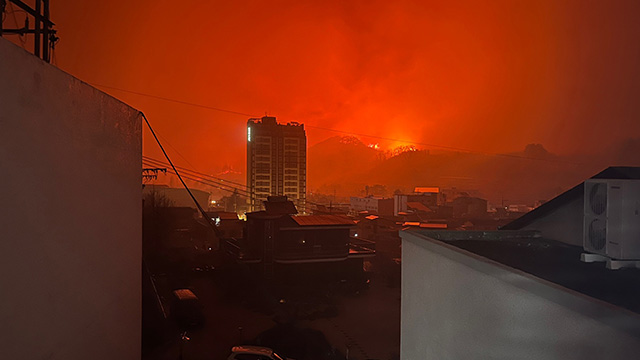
{"points": [[598, 198], [597, 235]]}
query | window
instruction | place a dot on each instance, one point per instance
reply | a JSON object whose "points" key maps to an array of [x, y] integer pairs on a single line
{"points": [[262, 149]]}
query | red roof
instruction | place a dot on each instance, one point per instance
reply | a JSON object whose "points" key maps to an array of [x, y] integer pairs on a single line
{"points": [[426, 189], [433, 226], [418, 206], [425, 225], [314, 220]]}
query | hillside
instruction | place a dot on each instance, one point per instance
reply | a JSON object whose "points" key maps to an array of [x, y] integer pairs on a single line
{"points": [[346, 166]]}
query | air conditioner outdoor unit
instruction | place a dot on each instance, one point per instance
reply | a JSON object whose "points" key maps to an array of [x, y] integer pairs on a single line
{"points": [[612, 218]]}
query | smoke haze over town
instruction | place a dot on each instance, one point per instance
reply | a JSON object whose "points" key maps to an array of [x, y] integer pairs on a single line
{"points": [[486, 77], [320, 180]]}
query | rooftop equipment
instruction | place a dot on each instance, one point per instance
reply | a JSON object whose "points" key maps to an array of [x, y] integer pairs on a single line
{"points": [[612, 222]]}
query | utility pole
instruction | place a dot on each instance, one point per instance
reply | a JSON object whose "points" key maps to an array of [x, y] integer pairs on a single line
{"points": [[45, 38], [149, 174], [3, 4]]}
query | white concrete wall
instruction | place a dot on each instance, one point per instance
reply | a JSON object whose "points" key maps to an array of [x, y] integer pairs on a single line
{"points": [[364, 204], [399, 204], [70, 225], [456, 305]]}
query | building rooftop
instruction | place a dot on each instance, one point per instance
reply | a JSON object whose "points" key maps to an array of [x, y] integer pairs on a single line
{"points": [[553, 261], [418, 206], [426, 189], [272, 122], [279, 205], [315, 220], [577, 192]]}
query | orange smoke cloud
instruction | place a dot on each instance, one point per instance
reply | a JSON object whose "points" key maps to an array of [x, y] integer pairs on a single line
{"points": [[486, 76]]}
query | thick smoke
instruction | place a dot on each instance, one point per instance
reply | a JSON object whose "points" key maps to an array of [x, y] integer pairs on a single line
{"points": [[491, 77]]}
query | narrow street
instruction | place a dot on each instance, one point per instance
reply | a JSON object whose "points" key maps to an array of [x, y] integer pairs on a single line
{"points": [[361, 324]]}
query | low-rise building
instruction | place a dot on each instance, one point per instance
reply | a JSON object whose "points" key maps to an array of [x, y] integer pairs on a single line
{"points": [[401, 201], [373, 205], [276, 238], [469, 207]]}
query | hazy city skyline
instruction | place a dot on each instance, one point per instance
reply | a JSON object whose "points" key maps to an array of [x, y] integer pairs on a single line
{"points": [[330, 180]]}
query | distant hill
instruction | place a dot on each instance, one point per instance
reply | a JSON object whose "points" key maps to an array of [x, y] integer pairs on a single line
{"points": [[339, 159], [346, 166]]}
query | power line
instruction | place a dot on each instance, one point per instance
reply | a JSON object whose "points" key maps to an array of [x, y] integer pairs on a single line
{"points": [[238, 191], [176, 150], [450, 148], [216, 179], [204, 214], [173, 100], [207, 183], [199, 173], [199, 178]]}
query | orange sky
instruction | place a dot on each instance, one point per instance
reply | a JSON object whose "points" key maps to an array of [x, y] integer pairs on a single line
{"points": [[490, 76]]}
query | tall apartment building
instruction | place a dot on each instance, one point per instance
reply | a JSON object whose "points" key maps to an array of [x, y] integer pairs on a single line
{"points": [[276, 161]]}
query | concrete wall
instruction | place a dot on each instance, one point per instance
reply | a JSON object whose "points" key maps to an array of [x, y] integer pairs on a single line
{"points": [[364, 203], [456, 305], [70, 226], [399, 204]]}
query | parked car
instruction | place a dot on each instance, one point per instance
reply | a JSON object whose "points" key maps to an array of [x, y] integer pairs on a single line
{"points": [[186, 308], [250, 352]]}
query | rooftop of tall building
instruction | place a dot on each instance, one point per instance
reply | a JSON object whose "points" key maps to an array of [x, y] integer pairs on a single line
{"points": [[271, 121]]}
